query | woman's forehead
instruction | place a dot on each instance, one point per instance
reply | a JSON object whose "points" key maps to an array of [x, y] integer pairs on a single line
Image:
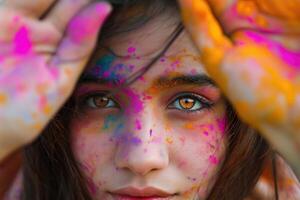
{"points": [[128, 53], [129, 56]]}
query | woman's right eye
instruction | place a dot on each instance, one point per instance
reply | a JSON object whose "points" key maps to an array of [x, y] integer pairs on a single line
{"points": [[100, 101]]}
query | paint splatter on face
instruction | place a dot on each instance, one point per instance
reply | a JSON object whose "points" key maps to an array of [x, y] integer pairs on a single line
{"points": [[165, 130]]}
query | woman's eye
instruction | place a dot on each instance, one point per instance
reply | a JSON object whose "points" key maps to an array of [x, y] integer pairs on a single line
{"points": [[189, 103], [100, 101]]}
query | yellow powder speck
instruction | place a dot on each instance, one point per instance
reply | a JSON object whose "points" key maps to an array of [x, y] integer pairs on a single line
{"points": [[3, 99], [37, 126], [169, 140], [47, 110], [189, 126]]}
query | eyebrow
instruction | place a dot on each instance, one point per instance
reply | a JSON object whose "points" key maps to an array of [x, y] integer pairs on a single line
{"points": [[198, 80], [89, 78], [161, 82]]}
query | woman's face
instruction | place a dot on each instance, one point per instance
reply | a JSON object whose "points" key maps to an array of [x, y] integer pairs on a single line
{"points": [[161, 137]]}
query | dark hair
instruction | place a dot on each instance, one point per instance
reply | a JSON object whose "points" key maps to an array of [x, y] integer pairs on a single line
{"points": [[51, 171]]}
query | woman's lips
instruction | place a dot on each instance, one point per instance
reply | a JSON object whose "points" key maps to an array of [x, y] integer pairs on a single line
{"points": [[147, 193], [126, 197]]}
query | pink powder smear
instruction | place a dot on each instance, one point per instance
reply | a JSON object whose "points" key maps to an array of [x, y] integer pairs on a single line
{"points": [[222, 125], [22, 42], [138, 124], [135, 101], [213, 160], [131, 50]]}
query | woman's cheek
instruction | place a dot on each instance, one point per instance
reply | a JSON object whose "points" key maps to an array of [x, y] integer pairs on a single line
{"points": [[91, 145], [201, 148], [199, 154]]}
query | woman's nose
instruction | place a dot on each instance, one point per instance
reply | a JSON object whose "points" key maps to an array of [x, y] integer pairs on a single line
{"points": [[139, 151], [142, 159]]}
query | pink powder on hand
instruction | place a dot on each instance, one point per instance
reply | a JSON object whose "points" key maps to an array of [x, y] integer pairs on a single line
{"points": [[22, 42]]}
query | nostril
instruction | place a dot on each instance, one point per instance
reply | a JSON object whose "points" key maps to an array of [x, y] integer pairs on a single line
{"points": [[144, 166], [142, 163]]}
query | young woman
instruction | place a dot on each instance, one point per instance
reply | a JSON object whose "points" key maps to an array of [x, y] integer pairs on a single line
{"points": [[145, 120]]}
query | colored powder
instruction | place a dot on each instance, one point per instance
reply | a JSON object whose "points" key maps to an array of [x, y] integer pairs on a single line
{"points": [[189, 125], [135, 140], [138, 124], [222, 124], [44, 106], [135, 101], [169, 140], [22, 42], [150, 132], [131, 50], [3, 99], [103, 66], [42, 103], [108, 121], [91, 186], [163, 60], [289, 57], [128, 138], [146, 97], [245, 8], [213, 160], [182, 139]]}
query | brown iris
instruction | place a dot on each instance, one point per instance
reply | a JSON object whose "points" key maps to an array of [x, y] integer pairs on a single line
{"points": [[100, 101], [187, 103]]}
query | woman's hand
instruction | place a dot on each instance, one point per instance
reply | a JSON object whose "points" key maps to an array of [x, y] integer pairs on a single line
{"points": [[254, 56], [44, 46]]}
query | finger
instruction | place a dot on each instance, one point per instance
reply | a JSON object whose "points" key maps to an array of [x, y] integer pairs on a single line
{"points": [[15, 32], [34, 8], [63, 11], [289, 10], [79, 42], [206, 32]]}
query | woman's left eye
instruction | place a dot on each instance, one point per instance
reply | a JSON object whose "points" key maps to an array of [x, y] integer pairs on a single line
{"points": [[189, 103]]}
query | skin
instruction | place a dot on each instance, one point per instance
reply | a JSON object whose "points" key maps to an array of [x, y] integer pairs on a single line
{"points": [[39, 66], [256, 63], [40, 61], [40, 38], [145, 139]]}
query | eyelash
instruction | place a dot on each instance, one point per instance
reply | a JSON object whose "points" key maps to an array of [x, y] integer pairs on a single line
{"points": [[205, 103], [84, 100]]}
